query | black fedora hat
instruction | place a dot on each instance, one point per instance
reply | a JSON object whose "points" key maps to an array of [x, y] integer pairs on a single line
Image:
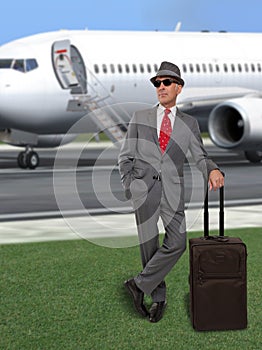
{"points": [[168, 69]]}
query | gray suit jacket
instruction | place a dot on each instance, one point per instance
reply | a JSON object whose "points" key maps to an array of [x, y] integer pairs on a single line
{"points": [[141, 161]]}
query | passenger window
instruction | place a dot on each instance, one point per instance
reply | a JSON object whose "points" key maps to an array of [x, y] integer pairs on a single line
{"points": [[210, 68], [112, 67], [148, 68], [155, 68], [134, 68], [239, 67], [96, 68], [141, 68], [104, 67], [259, 67], [119, 68], [127, 68], [204, 68]]}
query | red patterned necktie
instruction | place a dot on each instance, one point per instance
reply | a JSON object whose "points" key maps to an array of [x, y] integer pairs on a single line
{"points": [[165, 131]]}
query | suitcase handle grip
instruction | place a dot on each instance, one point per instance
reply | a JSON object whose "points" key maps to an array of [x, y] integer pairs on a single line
{"points": [[221, 213]]}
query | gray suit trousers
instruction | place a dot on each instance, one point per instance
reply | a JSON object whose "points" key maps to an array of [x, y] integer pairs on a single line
{"points": [[158, 260]]}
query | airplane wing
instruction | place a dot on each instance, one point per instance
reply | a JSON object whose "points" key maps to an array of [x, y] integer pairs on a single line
{"points": [[198, 96]]}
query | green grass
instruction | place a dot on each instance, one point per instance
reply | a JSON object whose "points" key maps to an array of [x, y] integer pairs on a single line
{"points": [[70, 295], [91, 138]]}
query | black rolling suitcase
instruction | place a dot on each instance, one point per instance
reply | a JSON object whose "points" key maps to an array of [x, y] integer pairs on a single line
{"points": [[218, 281]]}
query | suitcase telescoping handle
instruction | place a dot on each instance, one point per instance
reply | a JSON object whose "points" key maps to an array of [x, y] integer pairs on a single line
{"points": [[221, 213]]}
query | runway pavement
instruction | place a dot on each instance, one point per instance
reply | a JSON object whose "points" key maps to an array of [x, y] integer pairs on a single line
{"points": [[114, 230]]}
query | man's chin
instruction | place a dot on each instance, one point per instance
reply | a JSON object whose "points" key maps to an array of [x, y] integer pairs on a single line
{"points": [[163, 100]]}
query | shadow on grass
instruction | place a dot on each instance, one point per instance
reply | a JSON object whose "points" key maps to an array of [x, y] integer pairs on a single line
{"points": [[187, 304]]}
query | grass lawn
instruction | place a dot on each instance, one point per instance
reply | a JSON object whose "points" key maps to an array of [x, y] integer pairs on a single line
{"points": [[70, 295]]}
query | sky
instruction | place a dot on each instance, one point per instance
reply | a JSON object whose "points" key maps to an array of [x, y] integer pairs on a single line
{"points": [[27, 17]]}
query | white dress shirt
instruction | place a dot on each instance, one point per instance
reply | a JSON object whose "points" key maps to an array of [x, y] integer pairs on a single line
{"points": [[160, 116]]}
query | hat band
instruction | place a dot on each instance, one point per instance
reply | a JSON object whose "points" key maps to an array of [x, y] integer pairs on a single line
{"points": [[167, 73]]}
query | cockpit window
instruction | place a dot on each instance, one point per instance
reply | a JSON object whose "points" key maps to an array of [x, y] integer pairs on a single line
{"points": [[21, 65], [5, 63], [30, 64]]}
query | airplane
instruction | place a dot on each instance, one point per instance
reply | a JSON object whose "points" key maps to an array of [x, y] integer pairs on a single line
{"points": [[49, 81]]}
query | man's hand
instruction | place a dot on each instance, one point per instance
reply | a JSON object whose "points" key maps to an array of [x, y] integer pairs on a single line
{"points": [[216, 180]]}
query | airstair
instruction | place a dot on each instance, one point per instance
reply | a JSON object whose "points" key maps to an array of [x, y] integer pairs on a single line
{"points": [[98, 105], [102, 114]]}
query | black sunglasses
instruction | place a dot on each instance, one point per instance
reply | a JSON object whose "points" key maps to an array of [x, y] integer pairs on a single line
{"points": [[166, 82]]}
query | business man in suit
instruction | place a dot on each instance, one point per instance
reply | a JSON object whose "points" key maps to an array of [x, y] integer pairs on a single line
{"points": [[151, 164]]}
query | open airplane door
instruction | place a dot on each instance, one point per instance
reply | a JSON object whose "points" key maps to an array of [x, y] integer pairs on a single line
{"points": [[69, 67]]}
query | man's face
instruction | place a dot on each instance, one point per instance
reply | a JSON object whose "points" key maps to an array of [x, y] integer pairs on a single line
{"points": [[167, 95]]}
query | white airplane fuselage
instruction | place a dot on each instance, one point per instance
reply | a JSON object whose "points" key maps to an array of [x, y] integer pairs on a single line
{"points": [[115, 67]]}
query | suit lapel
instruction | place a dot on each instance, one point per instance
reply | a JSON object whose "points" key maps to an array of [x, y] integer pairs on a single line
{"points": [[152, 122]]}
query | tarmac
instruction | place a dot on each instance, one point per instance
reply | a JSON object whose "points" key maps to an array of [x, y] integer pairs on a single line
{"points": [[108, 230]]}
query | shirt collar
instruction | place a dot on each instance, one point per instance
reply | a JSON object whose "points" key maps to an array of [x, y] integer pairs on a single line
{"points": [[172, 109]]}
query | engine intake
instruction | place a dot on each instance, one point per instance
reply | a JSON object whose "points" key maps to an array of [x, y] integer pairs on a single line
{"points": [[237, 123]]}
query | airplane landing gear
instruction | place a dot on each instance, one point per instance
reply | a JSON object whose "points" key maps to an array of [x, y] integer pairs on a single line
{"points": [[28, 159]]}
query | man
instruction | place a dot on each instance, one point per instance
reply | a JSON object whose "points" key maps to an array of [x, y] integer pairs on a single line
{"points": [[151, 164]]}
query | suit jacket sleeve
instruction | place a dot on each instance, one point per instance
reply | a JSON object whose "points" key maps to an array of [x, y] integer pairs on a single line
{"points": [[199, 154], [127, 153]]}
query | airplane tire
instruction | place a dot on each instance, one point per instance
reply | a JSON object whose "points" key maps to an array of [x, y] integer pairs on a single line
{"points": [[21, 160], [253, 156], [32, 160], [28, 160]]}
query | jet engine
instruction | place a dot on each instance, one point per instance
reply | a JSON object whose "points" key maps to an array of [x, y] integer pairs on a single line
{"points": [[237, 124]]}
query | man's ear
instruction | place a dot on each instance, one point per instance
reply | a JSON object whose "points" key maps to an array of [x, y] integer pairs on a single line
{"points": [[179, 88]]}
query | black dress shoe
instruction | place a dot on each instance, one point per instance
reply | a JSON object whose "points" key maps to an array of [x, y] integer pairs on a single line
{"points": [[156, 311], [138, 297]]}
